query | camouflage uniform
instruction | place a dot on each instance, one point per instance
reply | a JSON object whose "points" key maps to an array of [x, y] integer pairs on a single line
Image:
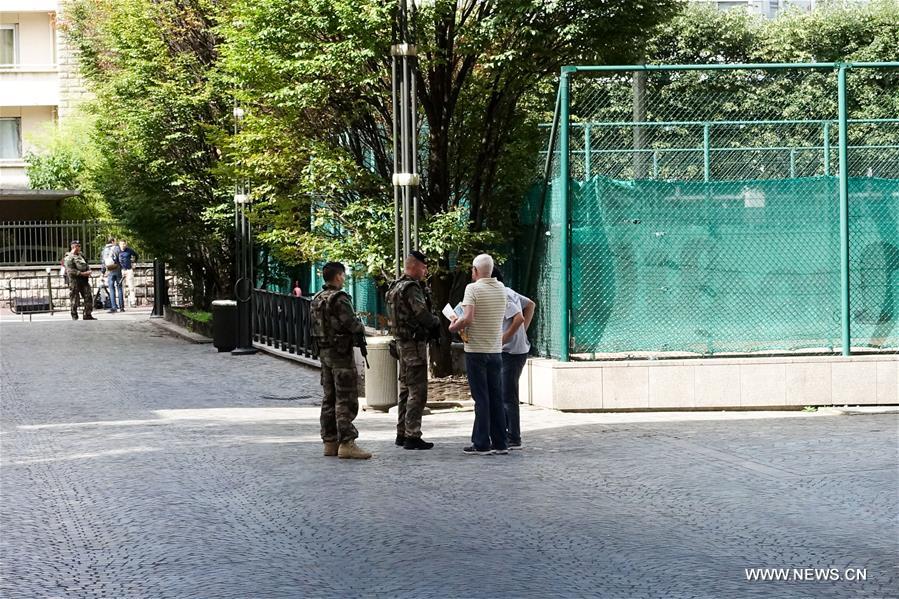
{"points": [[79, 286], [411, 322], [333, 325]]}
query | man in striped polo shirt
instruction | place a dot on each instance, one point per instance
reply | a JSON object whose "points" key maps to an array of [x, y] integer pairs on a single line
{"points": [[483, 308]]}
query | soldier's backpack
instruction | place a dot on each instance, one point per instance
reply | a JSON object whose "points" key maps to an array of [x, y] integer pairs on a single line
{"points": [[398, 308], [320, 310]]}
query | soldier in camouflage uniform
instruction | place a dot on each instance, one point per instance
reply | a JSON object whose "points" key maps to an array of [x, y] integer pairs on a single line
{"points": [[412, 324], [78, 273], [334, 325]]}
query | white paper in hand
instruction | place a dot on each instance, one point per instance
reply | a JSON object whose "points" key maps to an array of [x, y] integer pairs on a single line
{"points": [[448, 312]]}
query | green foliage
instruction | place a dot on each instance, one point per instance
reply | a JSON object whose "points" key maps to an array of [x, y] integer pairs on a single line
{"points": [[833, 32], [314, 76], [57, 169], [195, 315], [64, 157], [158, 109], [700, 34]]}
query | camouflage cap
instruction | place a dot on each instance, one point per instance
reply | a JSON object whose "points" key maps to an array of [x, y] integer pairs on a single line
{"points": [[74, 242], [419, 256]]}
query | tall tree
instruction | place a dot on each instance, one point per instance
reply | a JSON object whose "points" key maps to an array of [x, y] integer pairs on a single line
{"points": [[159, 111], [315, 76]]}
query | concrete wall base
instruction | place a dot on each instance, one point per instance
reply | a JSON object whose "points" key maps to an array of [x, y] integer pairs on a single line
{"points": [[712, 383]]}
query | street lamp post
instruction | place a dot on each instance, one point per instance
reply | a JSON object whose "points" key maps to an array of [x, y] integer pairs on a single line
{"points": [[404, 64], [243, 256]]}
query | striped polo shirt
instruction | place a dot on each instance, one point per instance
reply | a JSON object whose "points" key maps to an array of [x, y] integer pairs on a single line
{"points": [[488, 296]]}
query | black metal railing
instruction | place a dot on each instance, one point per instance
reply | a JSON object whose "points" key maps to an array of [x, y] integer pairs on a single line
{"points": [[46, 242], [283, 322], [31, 295]]}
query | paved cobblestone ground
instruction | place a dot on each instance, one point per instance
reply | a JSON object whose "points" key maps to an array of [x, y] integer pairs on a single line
{"points": [[180, 472]]}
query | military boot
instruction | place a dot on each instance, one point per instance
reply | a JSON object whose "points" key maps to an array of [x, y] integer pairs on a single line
{"points": [[331, 448], [417, 443], [351, 451]]}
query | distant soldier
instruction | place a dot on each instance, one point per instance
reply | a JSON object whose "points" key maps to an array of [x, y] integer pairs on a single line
{"points": [[78, 272], [412, 323], [335, 327]]}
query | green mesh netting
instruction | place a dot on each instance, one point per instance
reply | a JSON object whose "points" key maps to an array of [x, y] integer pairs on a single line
{"points": [[704, 213], [730, 266], [367, 301]]}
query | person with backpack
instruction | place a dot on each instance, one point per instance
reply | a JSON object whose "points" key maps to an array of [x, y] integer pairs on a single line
{"points": [[334, 328], [412, 324], [112, 268]]}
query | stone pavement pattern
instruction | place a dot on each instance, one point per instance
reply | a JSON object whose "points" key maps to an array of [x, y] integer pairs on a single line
{"points": [[137, 465]]}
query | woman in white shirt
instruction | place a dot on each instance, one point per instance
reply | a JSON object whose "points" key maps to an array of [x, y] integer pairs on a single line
{"points": [[516, 348]]}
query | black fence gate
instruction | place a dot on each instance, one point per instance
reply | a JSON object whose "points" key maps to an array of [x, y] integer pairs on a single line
{"points": [[283, 322]]}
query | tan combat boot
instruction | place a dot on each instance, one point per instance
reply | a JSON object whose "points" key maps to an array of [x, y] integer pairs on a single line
{"points": [[351, 451], [331, 448]]}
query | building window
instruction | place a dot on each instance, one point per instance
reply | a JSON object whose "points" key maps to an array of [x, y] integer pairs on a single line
{"points": [[732, 4], [9, 44], [10, 138]]}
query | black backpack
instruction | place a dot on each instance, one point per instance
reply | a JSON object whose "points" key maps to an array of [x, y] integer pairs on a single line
{"points": [[101, 299]]}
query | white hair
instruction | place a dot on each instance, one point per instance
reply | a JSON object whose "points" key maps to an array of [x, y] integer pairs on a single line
{"points": [[484, 264]]}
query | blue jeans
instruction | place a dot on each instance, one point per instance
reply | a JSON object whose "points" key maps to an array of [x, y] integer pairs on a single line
{"points": [[485, 381], [114, 283], [513, 364]]}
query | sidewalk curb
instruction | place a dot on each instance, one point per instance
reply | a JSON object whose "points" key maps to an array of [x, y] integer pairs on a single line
{"points": [[858, 411], [180, 331]]}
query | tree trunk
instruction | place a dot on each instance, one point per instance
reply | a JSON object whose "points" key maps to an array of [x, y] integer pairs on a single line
{"points": [[197, 279], [441, 354], [446, 288]]}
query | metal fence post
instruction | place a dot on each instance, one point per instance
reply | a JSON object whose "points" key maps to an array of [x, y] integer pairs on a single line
{"points": [[844, 209], [587, 151], [706, 152], [565, 174], [50, 288], [826, 148], [158, 288]]}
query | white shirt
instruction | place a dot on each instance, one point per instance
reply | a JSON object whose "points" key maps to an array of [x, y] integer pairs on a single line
{"points": [[519, 343], [488, 296]]}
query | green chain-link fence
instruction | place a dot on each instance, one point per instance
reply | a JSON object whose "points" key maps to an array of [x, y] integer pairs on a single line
{"points": [[719, 208]]}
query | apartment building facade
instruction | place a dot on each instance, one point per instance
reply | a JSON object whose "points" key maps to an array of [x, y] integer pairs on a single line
{"points": [[39, 84]]}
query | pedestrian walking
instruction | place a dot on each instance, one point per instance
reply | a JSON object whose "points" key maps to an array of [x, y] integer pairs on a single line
{"points": [[516, 347], [78, 273], [484, 305], [127, 259], [413, 324], [335, 328], [113, 271], [297, 290]]}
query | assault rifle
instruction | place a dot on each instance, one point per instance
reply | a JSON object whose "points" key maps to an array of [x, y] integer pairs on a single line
{"points": [[360, 342]]}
